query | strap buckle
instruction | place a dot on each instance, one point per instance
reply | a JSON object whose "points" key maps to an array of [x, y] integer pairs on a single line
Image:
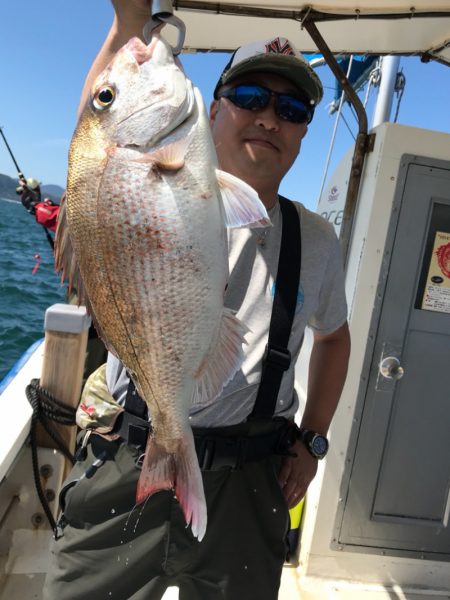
{"points": [[277, 357], [215, 453], [132, 429]]}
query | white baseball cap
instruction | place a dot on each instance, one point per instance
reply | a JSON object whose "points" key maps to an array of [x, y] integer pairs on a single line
{"points": [[277, 55]]}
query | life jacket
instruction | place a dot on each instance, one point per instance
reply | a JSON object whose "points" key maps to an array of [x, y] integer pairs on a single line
{"points": [[46, 214]]}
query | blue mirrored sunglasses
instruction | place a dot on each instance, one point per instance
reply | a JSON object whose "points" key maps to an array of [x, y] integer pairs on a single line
{"points": [[255, 97]]}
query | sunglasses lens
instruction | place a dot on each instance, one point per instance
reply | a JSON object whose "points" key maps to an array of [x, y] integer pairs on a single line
{"points": [[292, 109], [250, 97], [255, 97]]}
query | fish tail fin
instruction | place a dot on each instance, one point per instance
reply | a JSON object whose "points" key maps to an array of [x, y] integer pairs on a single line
{"points": [[180, 471]]}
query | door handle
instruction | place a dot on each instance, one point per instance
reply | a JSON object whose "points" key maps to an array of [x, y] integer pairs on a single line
{"points": [[390, 368]]}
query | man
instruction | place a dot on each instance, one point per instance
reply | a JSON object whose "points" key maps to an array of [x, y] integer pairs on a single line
{"points": [[263, 103], [29, 191]]}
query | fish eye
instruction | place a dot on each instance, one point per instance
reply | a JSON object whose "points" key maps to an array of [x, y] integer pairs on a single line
{"points": [[104, 97]]}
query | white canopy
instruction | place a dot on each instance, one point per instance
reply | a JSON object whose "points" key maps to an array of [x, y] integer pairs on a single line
{"points": [[404, 27]]}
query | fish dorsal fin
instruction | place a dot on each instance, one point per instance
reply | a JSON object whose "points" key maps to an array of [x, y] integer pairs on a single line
{"points": [[221, 362], [67, 265], [241, 203], [65, 262]]}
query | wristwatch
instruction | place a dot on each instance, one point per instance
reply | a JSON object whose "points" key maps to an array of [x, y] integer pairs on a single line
{"points": [[316, 443]]}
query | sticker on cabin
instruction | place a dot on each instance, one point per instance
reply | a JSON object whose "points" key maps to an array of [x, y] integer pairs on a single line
{"points": [[437, 288]]}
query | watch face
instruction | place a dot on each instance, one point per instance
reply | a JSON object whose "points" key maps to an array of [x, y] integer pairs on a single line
{"points": [[319, 445]]}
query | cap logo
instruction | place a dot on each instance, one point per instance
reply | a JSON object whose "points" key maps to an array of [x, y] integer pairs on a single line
{"points": [[276, 47]]}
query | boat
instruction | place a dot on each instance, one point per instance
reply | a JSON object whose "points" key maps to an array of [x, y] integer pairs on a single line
{"points": [[375, 525]]}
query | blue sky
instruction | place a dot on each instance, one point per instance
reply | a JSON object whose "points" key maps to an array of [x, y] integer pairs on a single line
{"points": [[48, 46]]}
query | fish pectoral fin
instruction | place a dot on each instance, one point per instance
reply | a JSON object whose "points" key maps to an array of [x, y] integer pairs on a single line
{"points": [[169, 157], [242, 205], [221, 362], [179, 471]]}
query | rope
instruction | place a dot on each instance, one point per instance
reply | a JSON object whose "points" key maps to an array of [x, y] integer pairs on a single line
{"points": [[47, 408]]}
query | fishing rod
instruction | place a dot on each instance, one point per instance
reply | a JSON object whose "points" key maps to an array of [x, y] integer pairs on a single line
{"points": [[22, 176]]}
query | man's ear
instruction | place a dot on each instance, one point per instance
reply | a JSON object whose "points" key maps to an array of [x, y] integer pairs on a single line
{"points": [[213, 111]]}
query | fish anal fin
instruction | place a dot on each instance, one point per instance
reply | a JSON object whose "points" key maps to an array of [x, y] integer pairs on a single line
{"points": [[180, 471], [242, 205], [221, 363]]}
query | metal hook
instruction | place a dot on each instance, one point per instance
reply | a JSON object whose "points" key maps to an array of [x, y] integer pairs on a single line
{"points": [[162, 12]]}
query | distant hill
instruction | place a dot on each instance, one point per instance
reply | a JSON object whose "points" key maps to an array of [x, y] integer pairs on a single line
{"points": [[8, 189]]}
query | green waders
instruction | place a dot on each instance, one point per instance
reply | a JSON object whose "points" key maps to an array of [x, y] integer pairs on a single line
{"points": [[110, 550]]}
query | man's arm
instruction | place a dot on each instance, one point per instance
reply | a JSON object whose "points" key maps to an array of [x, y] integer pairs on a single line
{"points": [[129, 20], [327, 372]]}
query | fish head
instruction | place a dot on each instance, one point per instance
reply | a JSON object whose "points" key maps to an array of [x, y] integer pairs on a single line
{"points": [[141, 96]]}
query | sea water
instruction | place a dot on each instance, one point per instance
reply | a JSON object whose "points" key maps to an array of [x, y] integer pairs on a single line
{"points": [[24, 296]]}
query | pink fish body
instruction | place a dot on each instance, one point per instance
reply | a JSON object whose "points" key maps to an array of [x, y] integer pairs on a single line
{"points": [[143, 233]]}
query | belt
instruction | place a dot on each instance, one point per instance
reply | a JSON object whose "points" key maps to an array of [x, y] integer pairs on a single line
{"points": [[216, 451], [223, 447]]}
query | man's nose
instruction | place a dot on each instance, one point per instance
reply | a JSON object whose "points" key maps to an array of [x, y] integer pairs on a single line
{"points": [[266, 117]]}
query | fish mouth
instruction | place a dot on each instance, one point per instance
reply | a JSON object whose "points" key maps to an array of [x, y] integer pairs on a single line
{"points": [[142, 54], [140, 50]]}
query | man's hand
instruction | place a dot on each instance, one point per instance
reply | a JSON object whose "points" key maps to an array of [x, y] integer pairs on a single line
{"points": [[132, 10], [129, 20], [296, 473]]}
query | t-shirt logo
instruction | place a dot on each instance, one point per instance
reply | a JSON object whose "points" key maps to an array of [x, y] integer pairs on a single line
{"points": [[276, 47]]}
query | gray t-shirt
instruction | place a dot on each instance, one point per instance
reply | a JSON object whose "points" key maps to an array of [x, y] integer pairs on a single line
{"points": [[321, 304]]}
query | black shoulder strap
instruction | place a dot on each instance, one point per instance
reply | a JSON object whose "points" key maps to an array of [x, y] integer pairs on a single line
{"points": [[277, 357], [133, 402]]}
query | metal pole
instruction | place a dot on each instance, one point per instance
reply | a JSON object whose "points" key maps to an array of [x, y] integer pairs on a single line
{"points": [[362, 140], [333, 137], [389, 70]]}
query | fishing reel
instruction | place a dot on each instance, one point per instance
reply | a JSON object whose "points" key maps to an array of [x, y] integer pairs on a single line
{"points": [[162, 14]]}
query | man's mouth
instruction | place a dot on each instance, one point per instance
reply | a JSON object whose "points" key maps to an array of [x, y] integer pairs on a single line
{"points": [[260, 142]]}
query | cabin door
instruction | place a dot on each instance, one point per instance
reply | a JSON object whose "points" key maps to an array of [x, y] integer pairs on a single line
{"points": [[397, 495]]}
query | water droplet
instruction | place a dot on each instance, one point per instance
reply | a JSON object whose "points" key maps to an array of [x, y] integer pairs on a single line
{"points": [[274, 509], [245, 567], [255, 490]]}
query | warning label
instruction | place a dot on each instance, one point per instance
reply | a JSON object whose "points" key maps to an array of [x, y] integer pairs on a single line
{"points": [[437, 289]]}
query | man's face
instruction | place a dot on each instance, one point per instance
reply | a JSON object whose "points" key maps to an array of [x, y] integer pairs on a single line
{"points": [[257, 146]]}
